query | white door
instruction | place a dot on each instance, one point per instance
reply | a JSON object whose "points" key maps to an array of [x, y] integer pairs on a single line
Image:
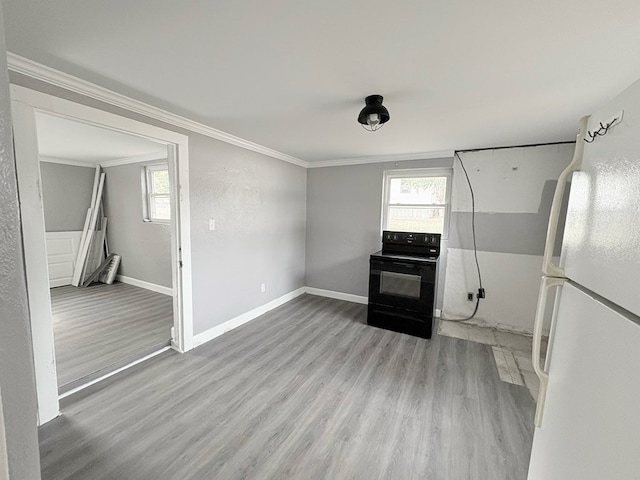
{"points": [[591, 421], [602, 232], [62, 251]]}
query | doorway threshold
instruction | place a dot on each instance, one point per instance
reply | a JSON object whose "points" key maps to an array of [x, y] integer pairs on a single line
{"points": [[80, 384]]}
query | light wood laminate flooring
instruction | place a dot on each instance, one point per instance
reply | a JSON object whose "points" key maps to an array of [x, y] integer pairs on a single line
{"points": [[511, 351], [102, 325], [308, 391]]}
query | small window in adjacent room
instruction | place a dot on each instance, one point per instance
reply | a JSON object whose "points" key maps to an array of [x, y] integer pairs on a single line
{"points": [[156, 201], [416, 201]]}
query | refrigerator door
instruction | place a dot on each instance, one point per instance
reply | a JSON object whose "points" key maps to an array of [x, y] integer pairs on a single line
{"points": [[591, 424], [601, 241]]}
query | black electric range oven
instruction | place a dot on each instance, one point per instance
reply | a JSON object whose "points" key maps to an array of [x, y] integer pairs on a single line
{"points": [[402, 283]]}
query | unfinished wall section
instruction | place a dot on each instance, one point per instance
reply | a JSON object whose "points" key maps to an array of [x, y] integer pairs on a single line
{"points": [[513, 192]]}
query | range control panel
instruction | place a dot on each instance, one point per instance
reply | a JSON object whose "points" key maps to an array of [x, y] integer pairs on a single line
{"points": [[408, 238], [409, 243]]}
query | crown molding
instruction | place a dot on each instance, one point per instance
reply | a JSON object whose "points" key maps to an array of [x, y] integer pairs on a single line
{"points": [[147, 157], [382, 159], [35, 70], [67, 161]]}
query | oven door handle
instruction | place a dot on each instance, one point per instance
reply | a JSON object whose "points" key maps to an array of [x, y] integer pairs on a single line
{"points": [[396, 264]]}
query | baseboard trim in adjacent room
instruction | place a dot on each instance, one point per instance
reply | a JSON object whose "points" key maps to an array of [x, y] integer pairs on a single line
{"points": [[60, 282], [208, 335], [337, 295], [146, 285]]}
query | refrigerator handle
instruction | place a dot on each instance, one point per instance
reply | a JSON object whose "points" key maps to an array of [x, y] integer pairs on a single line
{"points": [[548, 268], [545, 285]]}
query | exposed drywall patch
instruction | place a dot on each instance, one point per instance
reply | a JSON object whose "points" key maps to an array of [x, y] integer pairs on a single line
{"points": [[510, 180], [513, 190], [511, 282], [522, 233]]}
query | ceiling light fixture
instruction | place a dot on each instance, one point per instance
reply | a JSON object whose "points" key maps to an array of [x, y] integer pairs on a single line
{"points": [[374, 114]]}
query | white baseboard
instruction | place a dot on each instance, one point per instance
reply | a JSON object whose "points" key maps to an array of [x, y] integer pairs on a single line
{"points": [[345, 296], [218, 330], [142, 284], [208, 335], [59, 282], [337, 295]]}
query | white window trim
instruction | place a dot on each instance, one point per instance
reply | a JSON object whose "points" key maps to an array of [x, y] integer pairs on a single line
{"points": [[388, 175], [146, 194]]}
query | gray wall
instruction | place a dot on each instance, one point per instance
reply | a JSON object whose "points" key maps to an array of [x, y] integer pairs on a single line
{"points": [[17, 379], [66, 192], [259, 206], [145, 247], [344, 206], [519, 233]]}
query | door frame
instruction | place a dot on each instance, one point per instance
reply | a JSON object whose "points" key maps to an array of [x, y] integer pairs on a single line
{"points": [[25, 103]]}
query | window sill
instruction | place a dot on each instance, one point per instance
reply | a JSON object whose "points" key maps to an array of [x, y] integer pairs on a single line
{"points": [[161, 222]]}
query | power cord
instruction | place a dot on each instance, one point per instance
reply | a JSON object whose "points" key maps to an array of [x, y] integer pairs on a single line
{"points": [[480, 293]]}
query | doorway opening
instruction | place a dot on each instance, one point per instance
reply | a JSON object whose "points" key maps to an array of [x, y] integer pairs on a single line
{"points": [[81, 168], [120, 307]]}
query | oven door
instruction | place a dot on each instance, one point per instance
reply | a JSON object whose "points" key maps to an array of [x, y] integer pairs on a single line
{"points": [[404, 285]]}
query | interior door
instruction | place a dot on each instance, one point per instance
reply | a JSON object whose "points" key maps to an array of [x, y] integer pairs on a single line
{"points": [[62, 251], [591, 421]]}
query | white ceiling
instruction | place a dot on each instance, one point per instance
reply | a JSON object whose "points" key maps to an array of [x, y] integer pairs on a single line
{"points": [[292, 75], [61, 138]]}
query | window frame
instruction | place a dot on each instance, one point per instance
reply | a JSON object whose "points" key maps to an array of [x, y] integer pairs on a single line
{"points": [[148, 195], [388, 175]]}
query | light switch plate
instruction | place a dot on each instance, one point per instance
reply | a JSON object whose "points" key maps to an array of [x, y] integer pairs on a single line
{"points": [[212, 224]]}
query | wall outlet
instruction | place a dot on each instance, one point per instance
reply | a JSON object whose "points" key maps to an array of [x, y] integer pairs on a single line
{"points": [[212, 224], [470, 296], [263, 287]]}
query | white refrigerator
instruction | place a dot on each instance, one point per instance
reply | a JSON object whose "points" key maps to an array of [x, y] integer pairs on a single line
{"points": [[588, 409]]}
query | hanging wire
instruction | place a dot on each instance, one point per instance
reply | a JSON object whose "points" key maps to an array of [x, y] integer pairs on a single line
{"points": [[475, 247]]}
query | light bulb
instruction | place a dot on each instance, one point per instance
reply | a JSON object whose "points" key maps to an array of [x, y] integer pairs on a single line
{"points": [[373, 120]]}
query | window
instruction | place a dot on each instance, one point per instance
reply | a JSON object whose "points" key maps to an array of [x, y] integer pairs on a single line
{"points": [[416, 201], [156, 193]]}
